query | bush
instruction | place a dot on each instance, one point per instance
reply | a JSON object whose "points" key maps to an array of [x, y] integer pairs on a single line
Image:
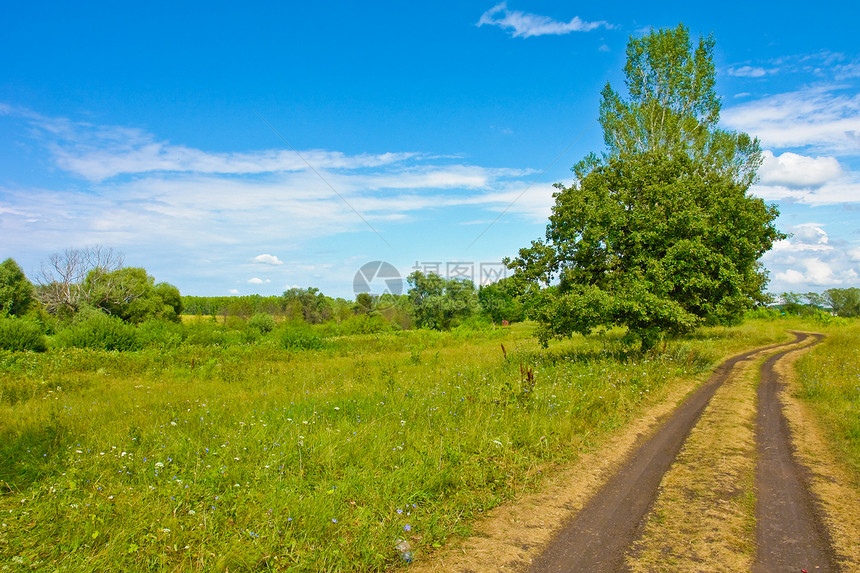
{"points": [[159, 333], [358, 324], [762, 312], [95, 329], [300, 336], [263, 322], [211, 334], [17, 334]]}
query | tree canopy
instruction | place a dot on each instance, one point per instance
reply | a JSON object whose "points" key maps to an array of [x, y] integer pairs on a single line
{"points": [[659, 234], [441, 303], [16, 292]]}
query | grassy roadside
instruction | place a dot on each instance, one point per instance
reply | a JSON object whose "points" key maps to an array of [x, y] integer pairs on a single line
{"points": [[823, 411], [829, 381], [263, 458]]}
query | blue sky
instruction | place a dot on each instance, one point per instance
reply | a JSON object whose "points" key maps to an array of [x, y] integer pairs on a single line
{"points": [[240, 150]]}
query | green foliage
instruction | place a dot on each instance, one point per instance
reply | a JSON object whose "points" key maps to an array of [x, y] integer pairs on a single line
{"points": [[131, 294], [157, 333], [829, 376], [211, 334], [243, 306], [299, 336], [659, 235], [308, 304], [92, 328], [500, 301], [845, 301], [440, 303], [19, 334], [358, 324], [16, 292], [262, 321], [673, 107]]}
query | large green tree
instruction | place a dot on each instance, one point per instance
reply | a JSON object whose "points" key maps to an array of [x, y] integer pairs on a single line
{"points": [[16, 292], [845, 301], [659, 234], [132, 295]]}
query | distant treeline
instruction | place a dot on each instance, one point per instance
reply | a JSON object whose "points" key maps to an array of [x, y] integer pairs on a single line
{"points": [[844, 302]]}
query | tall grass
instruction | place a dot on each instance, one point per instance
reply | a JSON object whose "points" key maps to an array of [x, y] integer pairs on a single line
{"points": [[271, 456], [830, 381]]}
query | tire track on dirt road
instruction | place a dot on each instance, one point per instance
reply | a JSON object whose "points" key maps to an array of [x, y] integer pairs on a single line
{"points": [[599, 536], [789, 532]]}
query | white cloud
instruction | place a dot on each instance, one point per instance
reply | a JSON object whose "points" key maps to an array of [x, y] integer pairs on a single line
{"points": [[810, 260], [814, 272], [845, 191], [268, 259], [233, 291], [810, 234], [793, 170], [750, 71], [100, 152], [258, 281], [807, 237], [823, 118], [209, 215], [523, 25]]}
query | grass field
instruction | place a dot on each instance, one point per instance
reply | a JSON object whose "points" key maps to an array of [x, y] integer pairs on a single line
{"points": [[255, 457], [830, 381]]}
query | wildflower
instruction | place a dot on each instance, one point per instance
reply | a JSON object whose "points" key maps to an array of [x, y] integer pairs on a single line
{"points": [[407, 527]]}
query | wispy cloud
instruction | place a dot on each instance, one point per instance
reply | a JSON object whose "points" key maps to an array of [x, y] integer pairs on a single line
{"points": [[823, 65], [127, 188], [751, 71], [524, 25], [101, 152], [825, 118]]}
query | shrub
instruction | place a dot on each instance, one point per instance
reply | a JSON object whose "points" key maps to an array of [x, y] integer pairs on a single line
{"points": [[358, 324], [263, 322], [19, 334], [211, 334], [95, 329], [300, 336], [159, 333]]}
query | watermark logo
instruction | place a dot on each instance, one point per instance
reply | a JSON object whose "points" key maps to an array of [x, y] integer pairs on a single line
{"points": [[378, 278], [479, 273]]}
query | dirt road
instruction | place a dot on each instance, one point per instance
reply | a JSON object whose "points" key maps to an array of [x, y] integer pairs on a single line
{"points": [[789, 533], [711, 485]]}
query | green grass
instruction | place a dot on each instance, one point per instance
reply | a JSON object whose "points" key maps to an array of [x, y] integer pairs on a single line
{"points": [[258, 457], [830, 381]]}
